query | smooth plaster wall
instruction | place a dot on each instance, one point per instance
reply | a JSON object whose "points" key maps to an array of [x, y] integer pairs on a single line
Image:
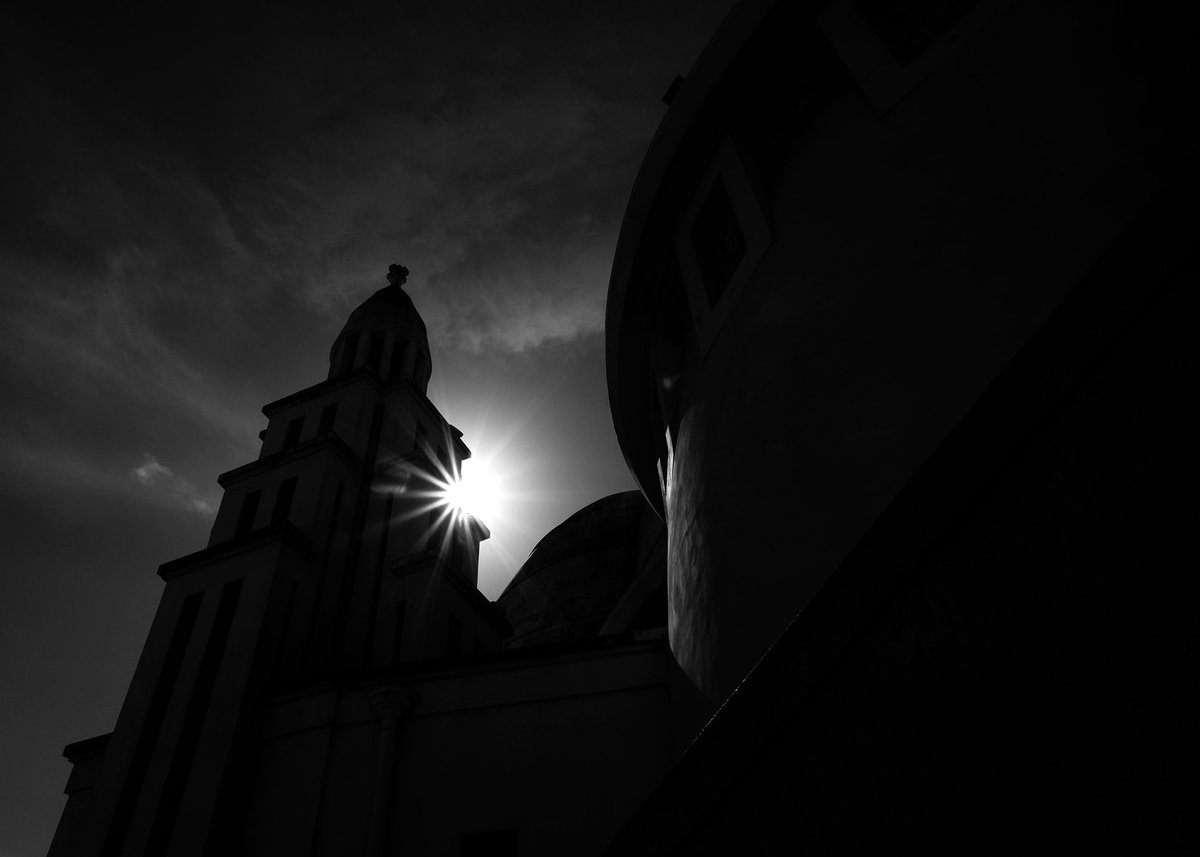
{"points": [[912, 256], [1032, 685], [562, 747]]}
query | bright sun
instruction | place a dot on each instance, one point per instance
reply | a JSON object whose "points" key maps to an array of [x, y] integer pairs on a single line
{"points": [[476, 493]]}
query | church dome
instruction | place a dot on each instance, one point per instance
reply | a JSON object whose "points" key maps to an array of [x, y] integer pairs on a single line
{"points": [[601, 570], [387, 334]]}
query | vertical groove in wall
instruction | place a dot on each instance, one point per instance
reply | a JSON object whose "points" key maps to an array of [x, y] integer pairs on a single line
{"points": [[322, 573], [193, 722], [398, 632], [345, 597], [281, 646], [378, 582], [131, 789]]}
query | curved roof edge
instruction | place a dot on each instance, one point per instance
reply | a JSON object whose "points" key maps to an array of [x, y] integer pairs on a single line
{"points": [[706, 73], [392, 305], [608, 555]]}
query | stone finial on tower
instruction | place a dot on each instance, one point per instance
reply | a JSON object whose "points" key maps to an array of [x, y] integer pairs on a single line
{"points": [[397, 275]]}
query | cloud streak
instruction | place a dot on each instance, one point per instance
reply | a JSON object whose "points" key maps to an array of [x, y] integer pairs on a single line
{"points": [[158, 247], [152, 475], [493, 211]]}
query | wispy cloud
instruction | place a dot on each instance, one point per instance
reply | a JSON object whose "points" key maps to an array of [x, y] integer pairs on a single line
{"points": [[150, 472], [522, 306], [54, 465], [88, 334], [159, 478], [500, 209], [150, 253]]}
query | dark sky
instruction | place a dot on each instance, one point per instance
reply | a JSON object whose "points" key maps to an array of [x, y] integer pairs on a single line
{"points": [[190, 205]]}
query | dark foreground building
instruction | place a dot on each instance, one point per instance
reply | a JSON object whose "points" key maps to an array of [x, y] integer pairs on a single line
{"points": [[901, 345], [900, 349]]}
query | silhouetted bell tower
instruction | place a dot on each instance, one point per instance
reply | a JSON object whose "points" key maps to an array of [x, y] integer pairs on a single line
{"points": [[331, 557]]}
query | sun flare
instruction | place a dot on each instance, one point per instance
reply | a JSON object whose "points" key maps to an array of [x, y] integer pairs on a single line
{"points": [[475, 493]]}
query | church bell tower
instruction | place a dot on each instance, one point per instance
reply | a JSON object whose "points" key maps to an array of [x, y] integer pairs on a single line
{"points": [[332, 557]]}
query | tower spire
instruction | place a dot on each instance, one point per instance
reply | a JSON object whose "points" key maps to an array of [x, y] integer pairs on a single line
{"points": [[387, 334]]}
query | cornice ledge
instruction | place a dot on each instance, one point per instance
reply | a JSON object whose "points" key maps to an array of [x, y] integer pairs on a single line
{"points": [[286, 533], [231, 477]]}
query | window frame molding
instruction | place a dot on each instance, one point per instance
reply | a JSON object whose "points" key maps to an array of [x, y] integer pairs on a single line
{"points": [[882, 78], [728, 167]]}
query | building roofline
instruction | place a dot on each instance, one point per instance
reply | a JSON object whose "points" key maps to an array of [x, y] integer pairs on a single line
{"points": [[321, 388], [284, 533], [435, 559], [420, 670], [79, 750], [331, 440], [367, 372]]}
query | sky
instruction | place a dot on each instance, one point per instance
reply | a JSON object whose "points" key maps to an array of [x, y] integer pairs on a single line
{"points": [[193, 200]]}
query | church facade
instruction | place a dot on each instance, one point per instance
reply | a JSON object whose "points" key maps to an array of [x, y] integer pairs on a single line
{"points": [[325, 677]]}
